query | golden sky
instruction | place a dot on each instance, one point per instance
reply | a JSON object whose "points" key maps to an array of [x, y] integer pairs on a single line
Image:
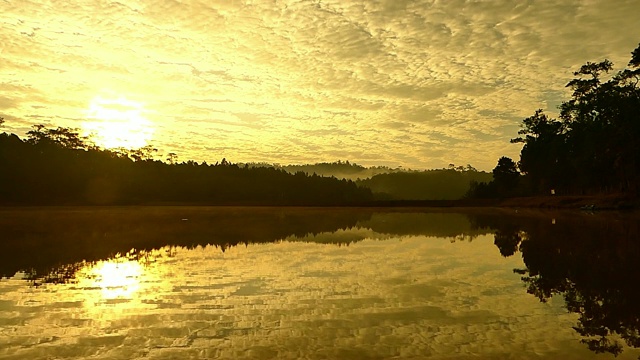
{"points": [[418, 84]]}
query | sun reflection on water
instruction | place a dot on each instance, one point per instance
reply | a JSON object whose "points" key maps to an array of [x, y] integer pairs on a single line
{"points": [[121, 284], [117, 279]]}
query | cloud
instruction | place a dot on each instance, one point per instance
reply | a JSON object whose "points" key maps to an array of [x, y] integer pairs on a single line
{"points": [[375, 72]]}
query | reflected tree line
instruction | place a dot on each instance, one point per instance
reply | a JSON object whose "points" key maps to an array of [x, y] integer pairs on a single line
{"points": [[591, 261], [53, 243], [57, 166], [591, 148], [42, 241]]}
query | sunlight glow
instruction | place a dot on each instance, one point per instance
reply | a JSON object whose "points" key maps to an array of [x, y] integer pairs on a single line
{"points": [[118, 279], [125, 283], [117, 122]]}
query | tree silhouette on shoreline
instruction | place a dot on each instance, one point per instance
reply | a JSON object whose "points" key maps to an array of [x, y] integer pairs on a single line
{"points": [[56, 166], [594, 145]]}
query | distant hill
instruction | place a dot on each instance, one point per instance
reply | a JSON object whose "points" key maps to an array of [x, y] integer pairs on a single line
{"points": [[440, 184], [339, 169], [397, 183]]}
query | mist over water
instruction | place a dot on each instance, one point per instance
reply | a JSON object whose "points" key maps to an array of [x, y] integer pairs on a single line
{"points": [[294, 283]]}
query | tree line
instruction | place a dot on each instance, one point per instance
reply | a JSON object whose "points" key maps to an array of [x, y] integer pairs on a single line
{"points": [[593, 147], [397, 183], [58, 166], [437, 184]]}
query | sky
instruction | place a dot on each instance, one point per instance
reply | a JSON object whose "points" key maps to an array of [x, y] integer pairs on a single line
{"points": [[418, 84]]}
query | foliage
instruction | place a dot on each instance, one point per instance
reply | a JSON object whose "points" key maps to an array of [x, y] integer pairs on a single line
{"points": [[397, 183], [593, 146], [438, 184], [506, 175], [55, 166], [506, 182], [65, 138]]}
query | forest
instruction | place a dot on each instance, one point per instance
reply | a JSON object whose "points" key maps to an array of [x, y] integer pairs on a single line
{"points": [[399, 183], [592, 148], [57, 166], [436, 184]]}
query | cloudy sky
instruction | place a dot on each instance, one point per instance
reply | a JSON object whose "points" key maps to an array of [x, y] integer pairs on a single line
{"points": [[418, 84]]}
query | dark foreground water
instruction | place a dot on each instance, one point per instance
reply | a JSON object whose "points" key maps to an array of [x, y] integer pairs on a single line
{"points": [[320, 284]]}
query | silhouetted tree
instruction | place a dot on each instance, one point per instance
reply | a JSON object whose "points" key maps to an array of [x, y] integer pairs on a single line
{"points": [[143, 154], [481, 190], [506, 176], [635, 58], [172, 158], [542, 159], [594, 145], [66, 138], [64, 170], [506, 179]]}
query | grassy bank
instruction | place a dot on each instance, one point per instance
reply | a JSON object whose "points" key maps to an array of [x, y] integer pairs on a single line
{"points": [[591, 202]]}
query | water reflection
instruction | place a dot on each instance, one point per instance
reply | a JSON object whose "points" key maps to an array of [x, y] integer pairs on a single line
{"points": [[117, 279], [590, 261], [292, 283], [52, 241], [41, 239]]}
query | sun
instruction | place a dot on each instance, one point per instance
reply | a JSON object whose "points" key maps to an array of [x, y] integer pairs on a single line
{"points": [[117, 123]]}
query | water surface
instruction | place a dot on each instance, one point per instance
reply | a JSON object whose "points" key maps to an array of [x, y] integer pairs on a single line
{"points": [[318, 284]]}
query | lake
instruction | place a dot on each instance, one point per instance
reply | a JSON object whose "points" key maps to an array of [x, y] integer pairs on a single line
{"points": [[292, 283]]}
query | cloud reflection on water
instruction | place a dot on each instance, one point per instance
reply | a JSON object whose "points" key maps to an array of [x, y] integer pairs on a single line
{"points": [[406, 297], [355, 284]]}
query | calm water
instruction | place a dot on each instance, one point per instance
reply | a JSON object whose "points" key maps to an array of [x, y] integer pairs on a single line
{"points": [[319, 284]]}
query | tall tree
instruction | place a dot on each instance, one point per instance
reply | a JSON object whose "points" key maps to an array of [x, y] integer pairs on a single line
{"points": [[594, 146], [542, 158], [603, 122], [506, 176]]}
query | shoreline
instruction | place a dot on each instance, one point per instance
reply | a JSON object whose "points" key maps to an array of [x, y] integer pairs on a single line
{"points": [[576, 202], [566, 202]]}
